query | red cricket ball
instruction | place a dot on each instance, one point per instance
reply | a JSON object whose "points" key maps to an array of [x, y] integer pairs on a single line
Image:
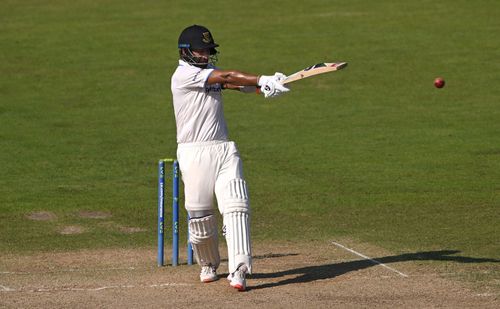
{"points": [[439, 82]]}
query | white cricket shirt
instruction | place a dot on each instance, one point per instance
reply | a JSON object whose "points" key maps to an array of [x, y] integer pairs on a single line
{"points": [[198, 109]]}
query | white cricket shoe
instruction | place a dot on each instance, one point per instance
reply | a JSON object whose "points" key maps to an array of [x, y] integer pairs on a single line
{"points": [[238, 280], [208, 274]]}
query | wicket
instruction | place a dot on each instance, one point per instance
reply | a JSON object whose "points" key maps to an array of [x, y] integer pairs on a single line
{"points": [[175, 214]]}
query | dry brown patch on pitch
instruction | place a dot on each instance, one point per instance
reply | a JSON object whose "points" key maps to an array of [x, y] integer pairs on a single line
{"points": [[72, 230], [42, 216]]}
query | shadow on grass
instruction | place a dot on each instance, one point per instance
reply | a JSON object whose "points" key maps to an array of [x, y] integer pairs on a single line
{"points": [[328, 271]]}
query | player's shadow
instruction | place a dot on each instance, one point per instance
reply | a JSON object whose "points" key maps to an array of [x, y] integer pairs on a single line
{"points": [[328, 271]]}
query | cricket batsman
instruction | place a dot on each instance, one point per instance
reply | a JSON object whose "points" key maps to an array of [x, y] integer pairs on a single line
{"points": [[209, 161]]}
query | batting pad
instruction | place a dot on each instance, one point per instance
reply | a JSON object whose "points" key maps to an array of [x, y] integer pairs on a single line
{"points": [[238, 240], [204, 239], [236, 195]]}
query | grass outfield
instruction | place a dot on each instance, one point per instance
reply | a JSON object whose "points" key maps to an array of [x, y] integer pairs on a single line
{"points": [[373, 152]]}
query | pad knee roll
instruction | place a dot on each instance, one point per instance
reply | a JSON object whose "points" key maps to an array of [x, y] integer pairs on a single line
{"points": [[204, 239], [237, 195]]}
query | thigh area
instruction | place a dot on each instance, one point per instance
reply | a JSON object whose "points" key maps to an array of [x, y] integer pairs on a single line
{"points": [[230, 187], [198, 167]]}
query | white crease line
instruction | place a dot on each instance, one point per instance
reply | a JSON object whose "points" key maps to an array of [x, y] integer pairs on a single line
{"points": [[370, 259], [4, 288], [70, 270], [13, 273], [169, 284], [62, 289]]}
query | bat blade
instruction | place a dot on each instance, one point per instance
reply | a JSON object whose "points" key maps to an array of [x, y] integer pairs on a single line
{"points": [[314, 70]]}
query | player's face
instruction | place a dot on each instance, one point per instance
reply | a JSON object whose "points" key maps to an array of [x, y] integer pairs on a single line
{"points": [[203, 54]]}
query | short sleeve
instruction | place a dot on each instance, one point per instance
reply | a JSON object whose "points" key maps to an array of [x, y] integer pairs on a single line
{"points": [[192, 77]]}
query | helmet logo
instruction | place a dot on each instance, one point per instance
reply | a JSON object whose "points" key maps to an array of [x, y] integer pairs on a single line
{"points": [[207, 38]]}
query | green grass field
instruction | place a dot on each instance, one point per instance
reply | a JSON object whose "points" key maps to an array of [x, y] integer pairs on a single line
{"points": [[374, 152]]}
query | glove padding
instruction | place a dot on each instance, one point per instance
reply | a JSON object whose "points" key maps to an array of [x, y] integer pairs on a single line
{"points": [[271, 86]]}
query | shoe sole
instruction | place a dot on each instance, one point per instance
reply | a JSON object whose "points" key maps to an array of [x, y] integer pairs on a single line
{"points": [[209, 280], [239, 287]]}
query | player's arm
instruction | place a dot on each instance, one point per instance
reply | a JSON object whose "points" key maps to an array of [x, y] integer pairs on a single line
{"points": [[245, 82], [244, 89], [232, 79], [234, 87], [235, 80]]}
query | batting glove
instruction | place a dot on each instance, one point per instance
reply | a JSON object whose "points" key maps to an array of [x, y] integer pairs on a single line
{"points": [[271, 86], [279, 76]]}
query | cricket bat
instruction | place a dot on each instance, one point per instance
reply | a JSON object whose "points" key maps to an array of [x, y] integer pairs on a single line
{"points": [[313, 70]]}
